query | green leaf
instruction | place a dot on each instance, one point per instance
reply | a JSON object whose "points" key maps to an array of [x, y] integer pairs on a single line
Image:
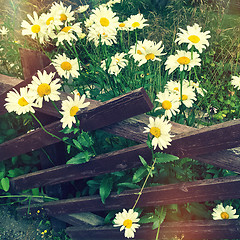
{"points": [[139, 174], [81, 157], [164, 157], [5, 183], [35, 191], [15, 172], [14, 160], [2, 170], [68, 148], [144, 163], [105, 188], [85, 139], [77, 144]]}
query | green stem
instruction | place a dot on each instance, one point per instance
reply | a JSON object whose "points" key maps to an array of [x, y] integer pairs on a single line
{"points": [[141, 191], [29, 196], [158, 231], [55, 106]]}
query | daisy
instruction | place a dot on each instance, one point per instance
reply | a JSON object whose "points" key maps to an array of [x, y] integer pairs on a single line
{"points": [[194, 37], [196, 87], [182, 60], [117, 63], [104, 18], [64, 14], [173, 86], [99, 35], [70, 108], [188, 95], [127, 220], [160, 129], [20, 103], [4, 31], [236, 82], [44, 87], [169, 102], [65, 66], [37, 28], [52, 23], [82, 8], [136, 22], [220, 212], [148, 50], [122, 26], [67, 33]]}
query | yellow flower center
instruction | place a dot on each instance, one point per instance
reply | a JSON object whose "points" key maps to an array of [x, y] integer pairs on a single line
{"points": [[183, 60], [63, 17], [66, 29], [184, 97], [22, 102], [49, 20], [122, 25], [127, 223], [155, 131], [139, 52], [73, 111], [35, 28], [44, 89], [194, 39], [150, 56], [176, 89], [66, 66], [224, 215], [135, 24], [104, 22], [166, 105]]}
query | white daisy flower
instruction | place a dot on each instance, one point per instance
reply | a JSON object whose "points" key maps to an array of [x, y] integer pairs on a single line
{"points": [[220, 212], [88, 23], [188, 95], [82, 8], [169, 102], [136, 22], [122, 26], [62, 13], [236, 82], [194, 37], [19, 102], [52, 23], [173, 86], [99, 35], [182, 60], [196, 86], [147, 50], [67, 33], [3, 31], [104, 18], [37, 28], [112, 2], [70, 107], [117, 63], [44, 87], [127, 220], [65, 66], [160, 129]]}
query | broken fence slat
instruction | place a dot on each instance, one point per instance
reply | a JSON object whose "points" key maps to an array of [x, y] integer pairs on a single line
{"points": [[117, 109], [197, 191], [190, 230]]}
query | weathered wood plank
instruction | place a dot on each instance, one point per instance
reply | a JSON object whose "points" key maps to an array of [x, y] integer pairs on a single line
{"points": [[32, 61], [191, 230], [197, 191], [202, 142], [106, 163], [91, 118], [6, 83]]}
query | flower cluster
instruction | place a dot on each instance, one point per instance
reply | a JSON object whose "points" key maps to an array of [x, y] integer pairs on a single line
{"points": [[44, 87]]}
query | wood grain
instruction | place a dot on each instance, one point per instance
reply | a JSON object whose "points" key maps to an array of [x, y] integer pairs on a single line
{"points": [[191, 230], [197, 191]]}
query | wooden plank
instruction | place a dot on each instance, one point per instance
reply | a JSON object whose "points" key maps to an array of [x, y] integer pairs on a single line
{"points": [[91, 118], [32, 61], [110, 162], [190, 230], [6, 83], [197, 191]]}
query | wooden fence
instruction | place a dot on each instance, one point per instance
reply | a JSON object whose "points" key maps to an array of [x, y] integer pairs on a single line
{"points": [[123, 116]]}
